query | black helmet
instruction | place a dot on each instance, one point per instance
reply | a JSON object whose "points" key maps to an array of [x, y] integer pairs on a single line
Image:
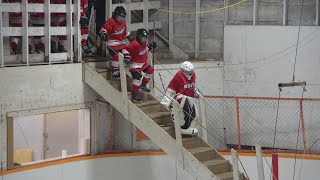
{"points": [[141, 33], [120, 11]]}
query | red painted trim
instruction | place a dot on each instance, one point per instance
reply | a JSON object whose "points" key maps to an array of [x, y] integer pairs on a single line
{"points": [[238, 123], [263, 98], [274, 151], [303, 127], [282, 156], [275, 167]]}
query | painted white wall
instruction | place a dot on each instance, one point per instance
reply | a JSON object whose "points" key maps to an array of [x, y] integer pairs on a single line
{"points": [[28, 134], [160, 167], [116, 168], [251, 70]]}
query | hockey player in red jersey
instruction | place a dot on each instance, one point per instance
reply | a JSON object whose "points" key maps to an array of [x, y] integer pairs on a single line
{"points": [[37, 20], [114, 31], [15, 20], [138, 62], [182, 89]]}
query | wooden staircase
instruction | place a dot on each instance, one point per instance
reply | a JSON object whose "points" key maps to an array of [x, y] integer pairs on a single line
{"points": [[195, 156]]}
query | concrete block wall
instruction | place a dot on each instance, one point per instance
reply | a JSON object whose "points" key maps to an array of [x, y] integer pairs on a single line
{"points": [[269, 12], [211, 30], [308, 13], [241, 14]]}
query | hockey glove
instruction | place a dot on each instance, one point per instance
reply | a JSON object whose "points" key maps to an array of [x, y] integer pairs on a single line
{"points": [[197, 93], [127, 59], [152, 45], [104, 36]]}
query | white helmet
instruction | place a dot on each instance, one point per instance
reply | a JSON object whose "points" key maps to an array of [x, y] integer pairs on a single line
{"points": [[188, 69]]}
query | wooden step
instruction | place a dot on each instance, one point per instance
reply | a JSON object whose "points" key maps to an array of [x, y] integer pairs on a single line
{"points": [[229, 176], [102, 70], [226, 176], [193, 142], [105, 73], [161, 117], [117, 84], [144, 95], [218, 166], [152, 106], [148, 103], [204, 153], [97, 61]]}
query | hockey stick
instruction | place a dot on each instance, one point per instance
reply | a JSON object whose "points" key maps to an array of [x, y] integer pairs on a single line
{"points": [[154, 40]]}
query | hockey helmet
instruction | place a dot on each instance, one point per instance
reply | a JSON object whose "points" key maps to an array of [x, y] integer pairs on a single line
{"points": [[142, 33], [120, 11], [188, 69]]}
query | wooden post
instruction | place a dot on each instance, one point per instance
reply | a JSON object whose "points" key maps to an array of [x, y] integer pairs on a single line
{"points": [[203, 116], [123, 78], [226, 12], [25, 33], [77, 38], [171, 21], [317, 13], [177, 115], [69, 31], [259, 163], [145, 15], [285, 13], [197, 34], [47, 34], [1, 42], [234, 158], [255, 7], [128, 17]]}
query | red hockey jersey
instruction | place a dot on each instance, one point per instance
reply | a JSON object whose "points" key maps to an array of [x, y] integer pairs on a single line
{"points": [[117, 32], [182, 86], [83, 7], [139, 55]]}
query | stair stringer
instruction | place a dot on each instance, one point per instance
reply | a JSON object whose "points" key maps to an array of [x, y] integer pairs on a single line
{"points": [[136, 116]]}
